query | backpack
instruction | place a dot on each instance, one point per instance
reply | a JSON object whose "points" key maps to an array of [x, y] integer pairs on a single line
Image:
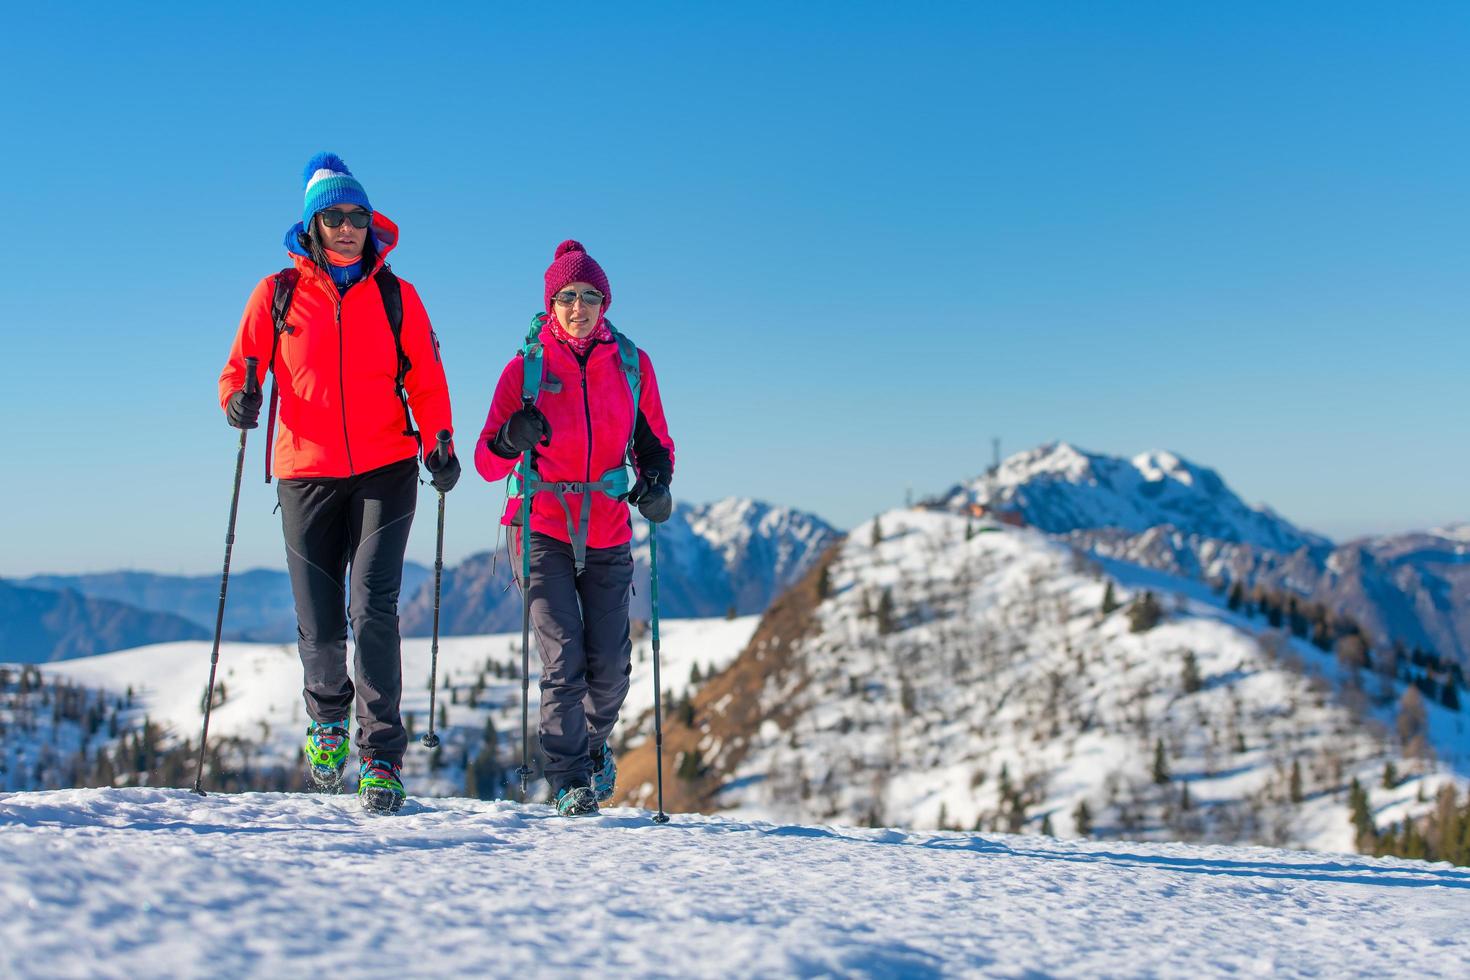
{"points": [[524, 481], [392, 292]]}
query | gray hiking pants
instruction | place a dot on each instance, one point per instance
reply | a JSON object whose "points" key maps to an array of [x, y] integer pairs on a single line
{"points": [[581, 624], [329, 524]]}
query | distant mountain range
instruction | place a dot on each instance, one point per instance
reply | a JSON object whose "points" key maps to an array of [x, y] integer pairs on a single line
{"points": [[734, 553], [41, 625], [1160, 510]]}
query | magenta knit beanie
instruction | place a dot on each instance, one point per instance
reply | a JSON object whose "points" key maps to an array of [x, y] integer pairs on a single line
{"points": [[573, 264]]}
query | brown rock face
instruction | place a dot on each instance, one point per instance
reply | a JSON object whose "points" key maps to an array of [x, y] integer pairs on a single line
{"points": [[729, 709]]}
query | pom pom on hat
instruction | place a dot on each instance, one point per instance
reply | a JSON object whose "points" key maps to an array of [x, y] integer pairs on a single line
{"points": [[571, 263], [327, 181]]}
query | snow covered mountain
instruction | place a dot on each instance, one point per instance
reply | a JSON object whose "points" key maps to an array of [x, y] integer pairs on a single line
{"points": [[922, 679], [268, 885], [1167, 513], [1059, 488], [732, 554]]}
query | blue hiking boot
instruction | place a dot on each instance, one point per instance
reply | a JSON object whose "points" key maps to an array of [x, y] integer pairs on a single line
{"points": [[575, 801], [326, 751], [379, 786], [604, 774]]}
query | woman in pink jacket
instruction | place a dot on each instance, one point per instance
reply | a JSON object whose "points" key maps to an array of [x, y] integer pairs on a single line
{"points": [[583, 401]]}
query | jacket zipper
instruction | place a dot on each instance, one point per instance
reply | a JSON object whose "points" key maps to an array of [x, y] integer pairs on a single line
{"points": [[341, 380], [587, 412]]}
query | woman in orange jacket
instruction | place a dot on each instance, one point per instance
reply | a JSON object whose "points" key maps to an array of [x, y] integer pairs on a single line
{"points": [[353, 354]]}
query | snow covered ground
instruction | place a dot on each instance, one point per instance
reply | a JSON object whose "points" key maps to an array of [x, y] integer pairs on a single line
{"points": [[159, 883]]}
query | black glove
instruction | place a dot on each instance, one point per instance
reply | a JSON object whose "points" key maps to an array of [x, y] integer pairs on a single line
{"points": [[651, 494], [444, 472], [521, 432], [243, 409]]}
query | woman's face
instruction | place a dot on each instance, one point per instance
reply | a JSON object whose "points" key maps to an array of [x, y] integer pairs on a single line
{"points": [[576, 317], [343, 239]]}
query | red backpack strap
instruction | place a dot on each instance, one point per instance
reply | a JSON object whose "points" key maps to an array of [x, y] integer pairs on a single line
{"points": [[280, 307]]}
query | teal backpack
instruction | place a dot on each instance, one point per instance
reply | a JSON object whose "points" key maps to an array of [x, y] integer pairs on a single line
{"points": [[524, 482]]}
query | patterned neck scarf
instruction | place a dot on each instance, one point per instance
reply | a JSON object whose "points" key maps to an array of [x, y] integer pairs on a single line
{"points": [[581, 345]]}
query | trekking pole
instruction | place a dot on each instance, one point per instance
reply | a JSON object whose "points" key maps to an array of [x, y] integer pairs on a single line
{"points": [[252, 387], [431, 740], [525, 770], [658, 723]]}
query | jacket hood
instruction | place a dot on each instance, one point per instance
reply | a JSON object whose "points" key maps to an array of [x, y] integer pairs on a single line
{"points": [[385, 237]]}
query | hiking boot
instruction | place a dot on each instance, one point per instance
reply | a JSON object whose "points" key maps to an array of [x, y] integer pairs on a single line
{"points": [[604, 774], [326, 751], [575, 801], [379, 787]]}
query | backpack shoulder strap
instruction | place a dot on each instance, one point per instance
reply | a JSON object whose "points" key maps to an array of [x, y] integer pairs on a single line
{"points": [[280, 308], [392, 292], [633, 372], [534, 356]]}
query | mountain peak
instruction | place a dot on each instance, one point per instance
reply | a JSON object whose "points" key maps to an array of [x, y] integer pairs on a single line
{"points": [[1061, 488]]}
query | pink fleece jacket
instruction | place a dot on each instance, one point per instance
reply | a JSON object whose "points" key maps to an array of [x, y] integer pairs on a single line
{"points": [[591, 421]]}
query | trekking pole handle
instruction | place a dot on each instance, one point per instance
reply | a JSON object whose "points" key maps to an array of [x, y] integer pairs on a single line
{"points": [[443, 443], [252, 383]]}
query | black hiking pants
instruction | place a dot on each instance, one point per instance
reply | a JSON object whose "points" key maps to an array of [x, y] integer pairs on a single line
{"points": [[361, 522], [581, 624]]}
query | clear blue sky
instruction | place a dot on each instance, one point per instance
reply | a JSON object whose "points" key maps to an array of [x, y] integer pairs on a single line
{"points": [[857, 240]]}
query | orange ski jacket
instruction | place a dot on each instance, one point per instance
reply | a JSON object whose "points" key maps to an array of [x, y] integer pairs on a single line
{"points": [[336, 366]]}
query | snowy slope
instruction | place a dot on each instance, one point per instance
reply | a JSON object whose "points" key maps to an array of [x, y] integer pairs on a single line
{"points": [[1000, 697], [263, 690], [272, 885]]}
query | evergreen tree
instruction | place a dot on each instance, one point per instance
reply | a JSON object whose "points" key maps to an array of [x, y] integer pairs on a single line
{"points": [[824, 583], [1296, 781], [1082, 818], [1110, 599], [1144, 613], [1237, 597], [1046, 829], [1390, 775], [877, 536], [1449, 696], [1192, 681], [1161, 763], [885, 613], [729, 612]]}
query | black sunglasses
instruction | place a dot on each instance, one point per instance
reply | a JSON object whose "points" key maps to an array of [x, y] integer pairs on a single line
{"points": [[590, 297], [332, 217]]}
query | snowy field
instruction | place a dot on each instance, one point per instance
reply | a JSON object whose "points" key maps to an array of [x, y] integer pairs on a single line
{"points": [[158, 883]]}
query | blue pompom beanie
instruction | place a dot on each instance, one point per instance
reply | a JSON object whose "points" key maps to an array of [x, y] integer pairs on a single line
{"points": [[328, 181]]}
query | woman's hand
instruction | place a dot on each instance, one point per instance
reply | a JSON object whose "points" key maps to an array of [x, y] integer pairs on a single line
{"points": [[243, 409], [443, 470], [521, 433], [651, 494]]}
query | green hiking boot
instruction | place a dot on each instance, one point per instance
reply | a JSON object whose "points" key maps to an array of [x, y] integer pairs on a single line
{"points": [[379, 786], [327, 746], [575, 801]]}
